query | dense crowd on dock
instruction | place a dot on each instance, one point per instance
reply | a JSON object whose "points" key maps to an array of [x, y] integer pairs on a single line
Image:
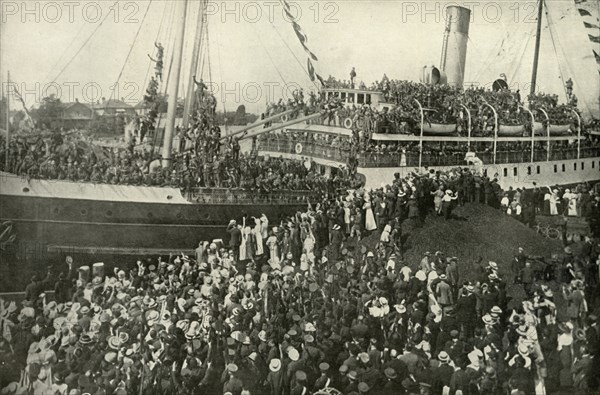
{"points": [[297, 306]]}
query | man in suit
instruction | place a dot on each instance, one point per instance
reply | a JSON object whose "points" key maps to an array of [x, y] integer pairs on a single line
{"points": [[235, 239], [444, 292]]}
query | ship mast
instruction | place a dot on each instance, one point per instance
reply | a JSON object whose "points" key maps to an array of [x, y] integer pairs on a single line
{"points": [[6, 159], [174, 85], [191, 97], [537, 46]]}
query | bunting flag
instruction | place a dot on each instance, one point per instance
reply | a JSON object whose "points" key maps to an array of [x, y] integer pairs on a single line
{"points": [[311, 70], [321, 80], [584, 12], [588, 10], [312, 55], [20, 98], [303, 38]]}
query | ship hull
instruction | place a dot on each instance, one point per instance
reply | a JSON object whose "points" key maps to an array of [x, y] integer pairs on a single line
{"points": [[118, 223]]}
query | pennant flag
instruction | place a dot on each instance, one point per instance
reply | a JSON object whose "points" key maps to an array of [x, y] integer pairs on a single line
{"points": [[301, 36], [321, 80], [590, 26], [595, 39], [18, 95], [309, 52], [311, 70], [596, 56], [584, 12], [289, 15]]}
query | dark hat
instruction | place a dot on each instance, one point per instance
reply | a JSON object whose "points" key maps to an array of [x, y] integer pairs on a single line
{"points": [[300, 375], [390, 373]]}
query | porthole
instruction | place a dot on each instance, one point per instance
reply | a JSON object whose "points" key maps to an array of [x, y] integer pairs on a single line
{"points": [[109, 213], [169, 197], [179, 215], [84, 212], [206, 216], [150, 215], [25, 189], [56, 210]]}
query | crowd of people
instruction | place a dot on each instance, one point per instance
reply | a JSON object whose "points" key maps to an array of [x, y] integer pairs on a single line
{"points": [[75, 158], [301, 305], [445, 104]]}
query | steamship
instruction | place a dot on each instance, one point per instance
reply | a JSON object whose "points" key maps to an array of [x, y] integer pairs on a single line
{"points": [[65, 216]]}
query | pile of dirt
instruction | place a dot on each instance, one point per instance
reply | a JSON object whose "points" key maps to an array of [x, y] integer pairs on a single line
{"points": [[476, 231]]}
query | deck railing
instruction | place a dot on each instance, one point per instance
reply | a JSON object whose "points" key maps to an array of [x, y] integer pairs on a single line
{"points": [[236, 196], [411, 158]]}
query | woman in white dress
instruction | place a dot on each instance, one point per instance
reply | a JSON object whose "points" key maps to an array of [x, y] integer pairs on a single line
{"points": [[243, 254], [370, 223], [571, 199], [273, 245], [554, 202], [347, 215], [258, 234]]}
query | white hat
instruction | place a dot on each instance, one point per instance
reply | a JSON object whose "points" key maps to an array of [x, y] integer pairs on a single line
{"points": [[275, 365], [293, 354]]}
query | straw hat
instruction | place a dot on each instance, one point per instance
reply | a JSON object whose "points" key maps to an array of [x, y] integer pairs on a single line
{"points": [[275, 365]]}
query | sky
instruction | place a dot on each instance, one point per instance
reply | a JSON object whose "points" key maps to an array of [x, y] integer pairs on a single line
{"points": [[78, 49]]}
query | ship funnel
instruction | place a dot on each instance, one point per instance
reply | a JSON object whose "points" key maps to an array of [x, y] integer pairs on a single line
{"points": [[454, 48]]}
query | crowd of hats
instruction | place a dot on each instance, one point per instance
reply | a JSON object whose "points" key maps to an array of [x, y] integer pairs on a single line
{"points": [[285, 322]]}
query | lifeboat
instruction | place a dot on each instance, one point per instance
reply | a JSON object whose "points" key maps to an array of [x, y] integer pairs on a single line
{"points": [[439, 129], [511, 130], [560, 130]]}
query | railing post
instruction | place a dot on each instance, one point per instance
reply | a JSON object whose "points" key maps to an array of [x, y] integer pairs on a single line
{"points": [[578, 133], [496, 126], [421, 135], [547, 134], [468, 127]]}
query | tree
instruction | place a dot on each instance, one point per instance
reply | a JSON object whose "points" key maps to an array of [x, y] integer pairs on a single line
{"points": [[50, 112]]}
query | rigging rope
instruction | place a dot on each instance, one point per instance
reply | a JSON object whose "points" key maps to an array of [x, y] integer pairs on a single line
{"points": [[269, 55], [64, 52], [155, 40], [294, 55], [85, 43], [220, 67], [130, 50], [518, 65], [208, 54], [550, 26]]}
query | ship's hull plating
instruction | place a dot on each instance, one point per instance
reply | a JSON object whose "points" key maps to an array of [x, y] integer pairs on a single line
{"points": [[81, 221]]}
